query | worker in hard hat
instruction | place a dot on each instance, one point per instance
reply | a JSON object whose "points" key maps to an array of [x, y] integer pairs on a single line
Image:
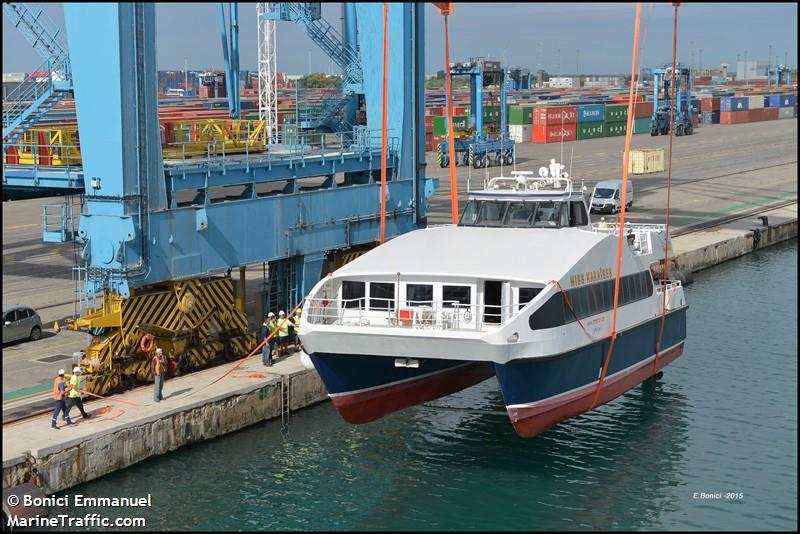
{"points": [[158, 365], [294, 328], [59, 400], [74, 393], [283, 333]]}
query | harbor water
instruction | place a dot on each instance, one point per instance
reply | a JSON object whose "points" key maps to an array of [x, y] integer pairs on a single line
{"points": [[710, 446]]}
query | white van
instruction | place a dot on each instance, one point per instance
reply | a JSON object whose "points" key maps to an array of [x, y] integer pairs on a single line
{"points": [[607, 197]]}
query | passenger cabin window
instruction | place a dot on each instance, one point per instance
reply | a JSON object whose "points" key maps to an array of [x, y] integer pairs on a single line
{"points": [[590, 299], [381, 296], [353, 294], [527, 294], [456, 296], [419, 295]]}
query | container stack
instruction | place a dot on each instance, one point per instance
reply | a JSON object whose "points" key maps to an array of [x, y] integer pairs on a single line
{"points": [[554, 124]]}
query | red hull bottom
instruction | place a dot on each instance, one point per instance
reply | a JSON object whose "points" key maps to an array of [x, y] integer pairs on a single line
{"points": [[366, 406], [533, 420]]}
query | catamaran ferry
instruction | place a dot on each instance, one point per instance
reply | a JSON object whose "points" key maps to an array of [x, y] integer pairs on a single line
{"points": [[521, 288]]}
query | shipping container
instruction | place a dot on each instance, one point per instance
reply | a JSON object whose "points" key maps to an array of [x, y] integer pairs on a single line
{"points": [[555, 116], [776, 101], [520, 115], [646, 161], [591, 113], [590, 130], [641, 125], [520, 133], [709, 104], [755, 102], [616, 128], [554, 133], [785, 113], [763, 114], [732, 117], [709, 117], [616, 113], [440, 124], [735, 103], [642, 110]]}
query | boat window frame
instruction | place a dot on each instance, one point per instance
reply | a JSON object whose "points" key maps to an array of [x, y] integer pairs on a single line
{"points": [[479, 221], [558, 217], [412, 302], [449, 303], [511, 203], [389, 303], [354, 302]]}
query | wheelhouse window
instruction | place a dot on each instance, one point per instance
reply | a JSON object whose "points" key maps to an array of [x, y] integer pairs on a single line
{"points": [[577, 214], [456, 296], [519, 214], [548, 213], [419, 294], [381, 296], [492, 213], [353, 294], [527, 294], [470, 215]]}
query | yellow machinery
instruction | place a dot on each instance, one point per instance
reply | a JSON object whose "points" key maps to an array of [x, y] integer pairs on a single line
{"points": [[212, 137], [194, 322], [56, 146], [60, 146]]}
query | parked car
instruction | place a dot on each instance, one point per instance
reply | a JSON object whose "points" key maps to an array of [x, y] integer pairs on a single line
{"points": [[20, 322], [607, 197]]}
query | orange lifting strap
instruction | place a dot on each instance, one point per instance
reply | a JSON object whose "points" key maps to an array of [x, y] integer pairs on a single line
{"points": [[621, 236], [450, 137]]}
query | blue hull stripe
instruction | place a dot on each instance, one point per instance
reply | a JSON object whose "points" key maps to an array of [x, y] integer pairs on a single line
{"points": [[527, 381]]}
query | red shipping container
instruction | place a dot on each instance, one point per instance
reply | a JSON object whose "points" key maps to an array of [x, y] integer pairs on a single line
{"points": [[764, 114], [556, 115], [642, 110], [553, 133], [709, 104], [437, 112], [733, 117]]}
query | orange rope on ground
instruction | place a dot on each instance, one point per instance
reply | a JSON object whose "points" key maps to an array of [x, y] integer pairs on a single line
{"points": [[621, 237], [665, 270], [112, 400], [384, 136], [450, 137]]}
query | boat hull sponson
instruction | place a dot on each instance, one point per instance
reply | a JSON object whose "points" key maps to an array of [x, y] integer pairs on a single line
{"points": [[365, 388]]}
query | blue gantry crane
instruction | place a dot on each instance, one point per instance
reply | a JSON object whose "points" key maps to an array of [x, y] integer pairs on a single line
{"points": [[779, 75], [479, 148], [160, 235], [663, 104]]}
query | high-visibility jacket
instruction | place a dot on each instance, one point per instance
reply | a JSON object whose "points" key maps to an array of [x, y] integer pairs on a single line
{"points": [[283, 328], [273, 325], [296, 321], [75, 387], [59, 388]]}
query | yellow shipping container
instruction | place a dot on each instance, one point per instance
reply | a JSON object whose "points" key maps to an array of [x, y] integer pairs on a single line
{"points": [[646, 161]]}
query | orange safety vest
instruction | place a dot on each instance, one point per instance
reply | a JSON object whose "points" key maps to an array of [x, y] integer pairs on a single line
{"points": [[58, 395]]}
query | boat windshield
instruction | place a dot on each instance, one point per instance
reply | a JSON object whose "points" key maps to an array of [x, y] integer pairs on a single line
{"points": [[603, 193], [511, 214]]}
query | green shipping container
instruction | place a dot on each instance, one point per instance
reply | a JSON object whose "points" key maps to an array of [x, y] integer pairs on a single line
{"points": [[615, 128], [616, 113], [440, 124], [520, 115], [641, 125], [590, 130]]}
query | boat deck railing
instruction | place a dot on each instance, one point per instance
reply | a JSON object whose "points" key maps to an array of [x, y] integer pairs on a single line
{"points": [[429, 315], [675, 298], [642, 237]]}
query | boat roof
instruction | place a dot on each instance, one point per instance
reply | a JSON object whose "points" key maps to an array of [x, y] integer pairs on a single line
{"points": [[478, 252]]}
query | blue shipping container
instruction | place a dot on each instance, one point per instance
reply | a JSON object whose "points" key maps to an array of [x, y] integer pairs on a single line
{"points": [[709, 117], [733, 103], [782, 101], [591, 113]]}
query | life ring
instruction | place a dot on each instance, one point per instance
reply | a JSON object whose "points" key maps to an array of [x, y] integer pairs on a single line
{"points": [[147, 343]]}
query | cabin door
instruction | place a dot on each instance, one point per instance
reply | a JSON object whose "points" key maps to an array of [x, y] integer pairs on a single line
{"points": [[492, 299]]}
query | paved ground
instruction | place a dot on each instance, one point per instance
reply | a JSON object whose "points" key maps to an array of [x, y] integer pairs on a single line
{"points": [[721, 169]]}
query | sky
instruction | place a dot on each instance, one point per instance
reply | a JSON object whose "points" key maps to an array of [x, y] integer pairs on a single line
{"points": [[559, 37]]}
